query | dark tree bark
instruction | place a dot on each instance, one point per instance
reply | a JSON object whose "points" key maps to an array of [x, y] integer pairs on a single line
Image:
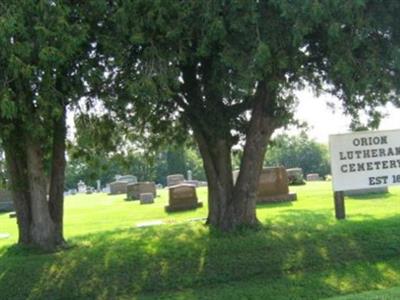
{"points": [[43, 233], [217, 164], [262, 125], [39, 217], [17, 168], [57, 176], [234, 205]]}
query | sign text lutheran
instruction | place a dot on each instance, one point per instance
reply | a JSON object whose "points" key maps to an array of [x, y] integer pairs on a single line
{"points": [[365, 159]]}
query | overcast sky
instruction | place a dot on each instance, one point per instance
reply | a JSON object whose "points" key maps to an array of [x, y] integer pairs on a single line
{"points": [[323, 121]]}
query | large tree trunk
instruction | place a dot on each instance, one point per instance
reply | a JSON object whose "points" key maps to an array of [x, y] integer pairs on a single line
{"points": [[234, 205], [56, 194], [17, 169], [25, 163], [43, 233], [245, 191], [217, 164]]}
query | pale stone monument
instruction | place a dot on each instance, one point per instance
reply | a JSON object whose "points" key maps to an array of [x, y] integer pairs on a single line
{"points": [[182, 197], [146, 198], [175, 179], [81, 187], [121, 184], [6, 203], [135, 189], [295, 176], [273, 186], [126, 178], [313, 177], [98, 182], [189, 175]]}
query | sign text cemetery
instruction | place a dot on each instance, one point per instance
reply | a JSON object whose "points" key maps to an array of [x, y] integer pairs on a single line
{"points": [[365, 159]]}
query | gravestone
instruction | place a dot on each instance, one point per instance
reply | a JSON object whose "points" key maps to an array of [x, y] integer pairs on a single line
{"points": [[295, 176], [313, 177], [159, 186], [182, 197], [135, 189], [6, 203], [273, 186], [118, 187], [146, 198], [126, 178], [175, 179], [367, 191], [81, 187], [98, 183], [189, 175]]}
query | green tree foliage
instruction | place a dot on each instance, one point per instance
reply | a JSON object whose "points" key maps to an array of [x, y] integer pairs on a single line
{"points": [[146, 168], [44, 59], [298, 152], [227, 70]]}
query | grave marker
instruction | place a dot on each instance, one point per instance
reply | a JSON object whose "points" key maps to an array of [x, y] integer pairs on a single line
{"points": [[135, 189], [182, 197], [175, 179], [273, 186], [146, 198], [118, 187]]}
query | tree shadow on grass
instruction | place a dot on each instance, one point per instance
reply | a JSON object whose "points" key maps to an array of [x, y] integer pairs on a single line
{"points": [[374, 196], [282, 256], [274, 205]]}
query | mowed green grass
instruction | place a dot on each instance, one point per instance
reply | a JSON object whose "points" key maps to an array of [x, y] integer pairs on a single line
{"points": [[301, 252]]}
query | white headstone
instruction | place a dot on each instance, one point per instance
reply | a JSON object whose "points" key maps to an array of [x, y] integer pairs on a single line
{"points": [[98, 186], [81, 187]]}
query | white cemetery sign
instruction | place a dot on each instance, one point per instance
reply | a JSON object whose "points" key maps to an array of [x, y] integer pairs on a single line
{"points": [[365, 159]]}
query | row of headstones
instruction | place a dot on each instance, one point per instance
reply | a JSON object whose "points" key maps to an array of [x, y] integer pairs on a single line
{"points": [[182, 195], [273, 186]]}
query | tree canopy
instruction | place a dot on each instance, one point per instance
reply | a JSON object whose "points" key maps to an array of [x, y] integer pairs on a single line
{"points": [[226, 71], [298, 152]]}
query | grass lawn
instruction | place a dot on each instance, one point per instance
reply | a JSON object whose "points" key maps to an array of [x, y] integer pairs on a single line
{"points": [[301, 252]]}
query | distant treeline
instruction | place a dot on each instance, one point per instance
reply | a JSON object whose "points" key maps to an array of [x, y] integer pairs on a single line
{"points": [[288, 151]]}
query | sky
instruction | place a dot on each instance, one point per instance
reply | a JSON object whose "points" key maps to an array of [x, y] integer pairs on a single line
{"points": [[323, 121]]}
